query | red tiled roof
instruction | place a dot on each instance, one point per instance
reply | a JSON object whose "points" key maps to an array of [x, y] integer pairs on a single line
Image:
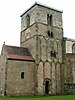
{"points": [[18, 53]]}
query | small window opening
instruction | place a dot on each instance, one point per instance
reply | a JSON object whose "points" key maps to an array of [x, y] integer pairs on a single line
{"points": [[50, 19], [28, 20], [53, 54], [51, 34], [22, 75]]}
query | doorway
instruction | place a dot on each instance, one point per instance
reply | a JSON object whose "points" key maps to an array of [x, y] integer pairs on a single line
{"points": [[47, 87]]}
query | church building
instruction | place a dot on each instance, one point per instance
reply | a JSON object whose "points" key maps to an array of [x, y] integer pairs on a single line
{"points": [[44, 64]]}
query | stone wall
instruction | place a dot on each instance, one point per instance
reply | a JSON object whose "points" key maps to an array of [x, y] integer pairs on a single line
{"points": [[28, 39], [14, 84], [69, 44], [39, 14], [44, 44], [3, 71], [41, 45], [69, 73], [51, 71]]}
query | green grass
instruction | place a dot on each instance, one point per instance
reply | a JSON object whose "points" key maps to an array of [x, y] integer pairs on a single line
{"points": [[64, 97]]}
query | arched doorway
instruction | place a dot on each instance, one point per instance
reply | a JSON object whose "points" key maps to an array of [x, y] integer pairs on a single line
{"points": [[47, 83], [47, 87]]}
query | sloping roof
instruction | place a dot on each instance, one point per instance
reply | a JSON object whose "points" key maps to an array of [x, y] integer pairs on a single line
{"points": [[18, 53], [69, 39], [39, 4]]}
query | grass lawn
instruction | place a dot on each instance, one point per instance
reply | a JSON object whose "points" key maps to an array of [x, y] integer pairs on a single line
{"points": [[64, 97]]}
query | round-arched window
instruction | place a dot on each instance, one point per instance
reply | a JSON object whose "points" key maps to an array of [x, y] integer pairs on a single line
{"points": [[73, 48], [28, 20]]}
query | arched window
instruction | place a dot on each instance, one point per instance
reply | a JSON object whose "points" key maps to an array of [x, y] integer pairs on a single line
{"points": [[50, 34], [73, 48], [53, 54], [28, 20], [49, 19], [22, 75]]}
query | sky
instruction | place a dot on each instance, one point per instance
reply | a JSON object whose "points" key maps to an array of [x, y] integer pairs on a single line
{"points": [[10, 21]]}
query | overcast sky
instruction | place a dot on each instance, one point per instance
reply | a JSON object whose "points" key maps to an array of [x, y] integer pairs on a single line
{"points": [[10, 21]]}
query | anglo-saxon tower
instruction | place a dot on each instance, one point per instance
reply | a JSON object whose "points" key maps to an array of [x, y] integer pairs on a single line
{"points": [[42, 34]]}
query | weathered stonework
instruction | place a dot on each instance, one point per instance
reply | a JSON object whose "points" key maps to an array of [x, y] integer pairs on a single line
{"points": [[43, 57], [18, 86], [69, 44], [41, 45], [69, 73], [11, 82]]}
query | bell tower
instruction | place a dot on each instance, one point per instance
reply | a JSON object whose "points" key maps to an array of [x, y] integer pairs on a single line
{"points": [[42, 34]]}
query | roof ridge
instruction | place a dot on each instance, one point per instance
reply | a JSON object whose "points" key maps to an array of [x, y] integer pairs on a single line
{"points": [[15, 52], [15, 46], [40, 4]]}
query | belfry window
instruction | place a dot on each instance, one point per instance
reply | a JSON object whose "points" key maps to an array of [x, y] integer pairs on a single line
{"points": [[73, 48], [49, 19], [53, 54], [22, 75], [50, 34], [28, 20]]}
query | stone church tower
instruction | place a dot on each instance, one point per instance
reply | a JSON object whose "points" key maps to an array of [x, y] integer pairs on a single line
{"points": [[42, 34], [44, 64]]}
